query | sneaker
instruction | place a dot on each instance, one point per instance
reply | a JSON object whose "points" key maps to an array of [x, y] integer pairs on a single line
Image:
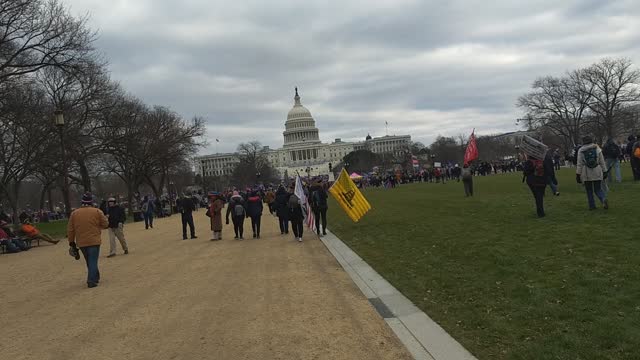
{"points": [[557, 193], [184, 238], [281, 232], [236, 238], [91, 285], [254, 235], [241, 238], [324, 233], [605, 203], [194, 237], [126, 252], [299, 239], [111, 255]]}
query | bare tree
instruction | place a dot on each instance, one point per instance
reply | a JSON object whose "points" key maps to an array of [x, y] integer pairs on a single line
{"points": [[560, 104], [35, 34], [24, 134], [611, 85], [254, 165]]}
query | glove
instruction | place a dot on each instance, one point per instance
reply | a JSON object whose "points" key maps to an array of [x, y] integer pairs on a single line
{"points": [[578, 179], [605, 175], [73, 251]]}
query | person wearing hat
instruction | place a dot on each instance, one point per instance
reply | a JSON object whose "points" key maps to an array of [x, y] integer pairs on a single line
{"points": [[215, 213], [84, 231], [117, 218]]}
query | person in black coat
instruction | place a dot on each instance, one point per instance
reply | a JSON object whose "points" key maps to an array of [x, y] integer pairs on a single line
{"points": [[550, 174], [237, 209], [254, 211], [117, 217], [282, 209], [319, 205], [534, 174], [186, 207]]}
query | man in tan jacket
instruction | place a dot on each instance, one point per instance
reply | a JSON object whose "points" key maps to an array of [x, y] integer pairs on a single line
{"points": [[84, 231]]}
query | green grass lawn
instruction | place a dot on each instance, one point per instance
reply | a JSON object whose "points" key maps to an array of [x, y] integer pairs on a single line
{"points": [[57, 229], [504, 283]]}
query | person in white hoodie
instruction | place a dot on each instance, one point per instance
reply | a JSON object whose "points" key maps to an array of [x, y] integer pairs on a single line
{"points": [[591, 170]]}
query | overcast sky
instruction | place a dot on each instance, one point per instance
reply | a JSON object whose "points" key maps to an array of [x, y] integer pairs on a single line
{"points": [[427, 67]]}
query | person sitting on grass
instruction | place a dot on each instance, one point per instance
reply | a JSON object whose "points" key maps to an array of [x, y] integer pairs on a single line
{"points": [[32, 233]]}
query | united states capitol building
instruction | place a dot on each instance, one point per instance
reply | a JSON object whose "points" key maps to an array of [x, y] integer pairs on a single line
{"points": [[302, 150]]}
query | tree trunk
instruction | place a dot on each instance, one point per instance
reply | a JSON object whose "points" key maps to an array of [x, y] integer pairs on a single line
{"points": [[50, 198], [84, 173], [13, 200], [43, 195]]}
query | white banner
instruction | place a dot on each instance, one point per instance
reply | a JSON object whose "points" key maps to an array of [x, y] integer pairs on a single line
{"points": [[533, 147]]}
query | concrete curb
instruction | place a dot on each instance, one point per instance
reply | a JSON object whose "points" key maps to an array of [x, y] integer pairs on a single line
{"points": [[423, 337]]}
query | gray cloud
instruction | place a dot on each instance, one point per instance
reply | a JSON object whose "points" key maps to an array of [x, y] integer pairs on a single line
{"points": [[427, 67]]}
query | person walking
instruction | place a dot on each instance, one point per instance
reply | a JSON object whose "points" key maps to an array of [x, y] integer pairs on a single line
{"points": [[187, 206], [269, 199], [550, 174], [319, 206], [282, 209], [534, 170], [148, 208], [611, 152], [467, 180], [216, 204], [238, 210], [590, 171], [634, 156], [117, 218], [296, 215], [84, 231], [254, 211]]}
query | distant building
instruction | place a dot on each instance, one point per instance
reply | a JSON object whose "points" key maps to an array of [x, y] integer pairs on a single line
{"points": [[303, 149]]}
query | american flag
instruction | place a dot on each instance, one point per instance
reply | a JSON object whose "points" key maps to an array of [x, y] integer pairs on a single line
{"points": [[309, 219]]}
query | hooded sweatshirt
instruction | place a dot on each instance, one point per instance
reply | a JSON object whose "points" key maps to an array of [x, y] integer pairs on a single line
{"points": [[586, 173], [254, 205]]}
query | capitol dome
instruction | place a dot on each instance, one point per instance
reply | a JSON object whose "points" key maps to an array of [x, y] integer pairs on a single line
{"points": [[300, 127]]}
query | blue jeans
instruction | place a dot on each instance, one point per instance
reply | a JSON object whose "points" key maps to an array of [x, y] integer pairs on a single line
{"points": [[554, 187], [91, 254], [594, 187], [614, 164], [148, 220]]}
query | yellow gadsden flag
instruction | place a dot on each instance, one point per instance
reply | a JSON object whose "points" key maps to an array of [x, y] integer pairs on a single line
{"points": [[349, 197]]}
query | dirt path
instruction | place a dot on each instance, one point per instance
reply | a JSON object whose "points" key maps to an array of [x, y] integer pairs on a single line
{"points": [[271, 298]]}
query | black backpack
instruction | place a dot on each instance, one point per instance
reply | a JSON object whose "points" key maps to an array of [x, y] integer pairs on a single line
{"points": [[612, 151]]}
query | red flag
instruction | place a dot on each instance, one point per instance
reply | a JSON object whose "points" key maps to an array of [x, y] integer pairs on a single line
{"points": [[472, 150]]}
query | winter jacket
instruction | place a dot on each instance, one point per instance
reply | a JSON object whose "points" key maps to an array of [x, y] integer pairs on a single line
{"points": [[295, 209], [116, 216], [186, 205], [85, 226], [549, 169], [318, 199], [590, 174], [236, 200], [611, 150], [282, 201], [254, 206]]}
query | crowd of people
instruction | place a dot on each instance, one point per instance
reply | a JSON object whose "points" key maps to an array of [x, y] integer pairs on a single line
{"points": [[596, 169]]}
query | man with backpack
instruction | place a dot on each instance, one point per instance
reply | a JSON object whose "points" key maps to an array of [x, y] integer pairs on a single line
{"points": [[319, 206], [535, 174], [611, 152], [591, 170], [238, 210]]}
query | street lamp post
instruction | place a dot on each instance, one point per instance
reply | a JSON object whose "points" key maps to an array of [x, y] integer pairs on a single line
{"points": [[59, 121]]}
